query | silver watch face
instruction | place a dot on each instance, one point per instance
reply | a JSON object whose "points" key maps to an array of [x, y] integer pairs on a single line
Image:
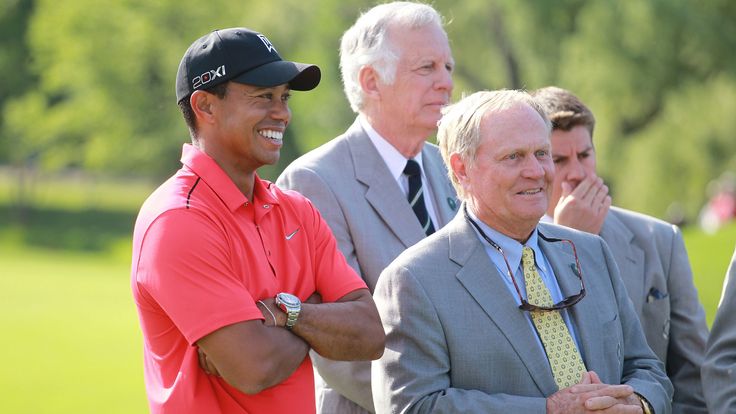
{"points": [[288, 300]]}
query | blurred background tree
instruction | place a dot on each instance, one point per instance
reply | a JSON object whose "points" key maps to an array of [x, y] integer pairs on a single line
{"points": [[88, 84]]}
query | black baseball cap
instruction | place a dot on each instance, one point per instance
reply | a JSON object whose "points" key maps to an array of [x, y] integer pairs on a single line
{"points": [[239, 55]]}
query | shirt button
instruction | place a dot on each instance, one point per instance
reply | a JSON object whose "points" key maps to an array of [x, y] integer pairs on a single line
{"points": [[266, 206]]}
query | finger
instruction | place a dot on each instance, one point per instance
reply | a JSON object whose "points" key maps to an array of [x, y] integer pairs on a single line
{"points": [[601, 192], [202, 360], [606, 203], [600, 403], [566, 189], [587, 388], [595, 379], [600, 390], [595, 192], [211, 368], [583, 188]]}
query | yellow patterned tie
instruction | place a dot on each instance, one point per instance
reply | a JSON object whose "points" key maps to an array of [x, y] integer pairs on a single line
{"points": [[564, 358]]}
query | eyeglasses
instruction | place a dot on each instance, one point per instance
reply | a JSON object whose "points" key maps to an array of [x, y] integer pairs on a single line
{"points": [[530, 307]]}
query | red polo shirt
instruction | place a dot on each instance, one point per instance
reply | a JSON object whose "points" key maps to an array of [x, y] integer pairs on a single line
{"points": [[202, 255]]}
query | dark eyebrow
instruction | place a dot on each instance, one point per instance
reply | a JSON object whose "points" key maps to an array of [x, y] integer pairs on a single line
{"points": [[267, 88]]}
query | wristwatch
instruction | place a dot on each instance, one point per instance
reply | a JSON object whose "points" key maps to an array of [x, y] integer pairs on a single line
{"points": [[291, 305], [644, 404]]}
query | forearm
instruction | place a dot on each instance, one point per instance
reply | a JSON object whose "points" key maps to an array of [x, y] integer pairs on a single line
{"points": [[252, 356], [342, 331], [286, 354]]}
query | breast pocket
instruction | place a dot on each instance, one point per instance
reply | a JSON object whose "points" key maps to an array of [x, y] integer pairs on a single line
{"points": [[655, 320]]}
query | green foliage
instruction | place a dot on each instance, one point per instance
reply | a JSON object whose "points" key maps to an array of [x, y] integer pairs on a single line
{"points": [[94, 85]]}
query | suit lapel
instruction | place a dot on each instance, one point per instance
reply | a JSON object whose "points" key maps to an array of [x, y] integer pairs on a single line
{"points": [[629, 257], [382, 193], [584, 314], [442, 191], [483, 282]]}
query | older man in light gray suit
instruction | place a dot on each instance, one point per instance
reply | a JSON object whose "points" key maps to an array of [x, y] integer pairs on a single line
{"points": [[650, 253], [719, 367], [498, 313], [396, 67]]}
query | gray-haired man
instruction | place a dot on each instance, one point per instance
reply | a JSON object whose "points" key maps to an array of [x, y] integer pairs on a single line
{"points": [[396, 66]]}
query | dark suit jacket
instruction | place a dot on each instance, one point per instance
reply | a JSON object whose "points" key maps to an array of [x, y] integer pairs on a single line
{"points": [[457, 342], [351, 186]]}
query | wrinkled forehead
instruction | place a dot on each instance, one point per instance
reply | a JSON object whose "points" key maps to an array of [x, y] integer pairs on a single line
{"points": [[516, 125]]}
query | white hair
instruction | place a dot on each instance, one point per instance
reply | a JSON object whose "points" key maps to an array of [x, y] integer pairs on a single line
{"points": [[459, 129], [367, 43]]}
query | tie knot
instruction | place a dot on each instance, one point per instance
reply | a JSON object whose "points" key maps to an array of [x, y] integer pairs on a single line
{"points": [[412, 168], [527, 257]]}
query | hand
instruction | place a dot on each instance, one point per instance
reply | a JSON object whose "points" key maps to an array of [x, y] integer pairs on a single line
{"points": [[207, 364], [584, 207], [591, 395], [273, 316]]}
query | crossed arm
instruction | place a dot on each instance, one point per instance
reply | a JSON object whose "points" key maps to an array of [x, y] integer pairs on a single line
{"points": [[254, 355]]}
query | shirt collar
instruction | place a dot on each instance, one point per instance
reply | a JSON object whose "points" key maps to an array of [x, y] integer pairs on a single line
{"points": [[511, 248], [209, 171], [394, 160]]}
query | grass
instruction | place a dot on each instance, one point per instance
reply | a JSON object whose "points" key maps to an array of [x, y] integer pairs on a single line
{"points": [[71, 339], [71, 342], [710, 255]]}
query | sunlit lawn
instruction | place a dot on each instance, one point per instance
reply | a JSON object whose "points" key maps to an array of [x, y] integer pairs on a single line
{"points": [[71, 342], [710, 255]]}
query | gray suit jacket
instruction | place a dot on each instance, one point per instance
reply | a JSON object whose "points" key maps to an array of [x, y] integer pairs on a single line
{"points": [[719, 367], [351, 186], [654, 266], [456, 341]]}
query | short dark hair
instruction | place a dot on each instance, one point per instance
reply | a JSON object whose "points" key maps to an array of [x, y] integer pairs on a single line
{"points": [[187, 112], [564, 109]]}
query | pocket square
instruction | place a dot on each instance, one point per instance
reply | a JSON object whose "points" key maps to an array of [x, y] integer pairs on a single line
{"points": [[655, 294]]}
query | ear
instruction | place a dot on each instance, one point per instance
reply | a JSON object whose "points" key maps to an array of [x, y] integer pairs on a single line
{"points": [[203, 106], [460, 169], [368, 80]]}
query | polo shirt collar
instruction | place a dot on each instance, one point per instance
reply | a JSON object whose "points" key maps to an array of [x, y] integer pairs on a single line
{"points": [[207, 169]]}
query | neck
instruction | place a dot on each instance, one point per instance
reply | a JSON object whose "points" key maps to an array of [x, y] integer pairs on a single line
{"points": [[517, 231], [243, 177], [408, 141]]}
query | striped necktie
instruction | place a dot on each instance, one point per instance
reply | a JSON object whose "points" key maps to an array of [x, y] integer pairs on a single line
{"points": [[416, 196], [564, 359]]}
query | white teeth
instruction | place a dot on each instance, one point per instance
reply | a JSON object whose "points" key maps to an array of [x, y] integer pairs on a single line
{"points": [[531, 191], [271, 134]]}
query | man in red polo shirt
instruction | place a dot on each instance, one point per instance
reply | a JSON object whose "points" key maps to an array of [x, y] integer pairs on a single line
{"points": [[229, 272]]}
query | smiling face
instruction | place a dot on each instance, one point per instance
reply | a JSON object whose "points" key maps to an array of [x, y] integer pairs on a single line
{"points": [[574, 158], [423, 81], [509, 182], [248, 126]]}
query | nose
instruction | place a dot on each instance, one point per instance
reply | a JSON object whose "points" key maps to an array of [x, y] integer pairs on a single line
{"points": [[575, 171], [444, 81], [534, 168], [280, 111]]}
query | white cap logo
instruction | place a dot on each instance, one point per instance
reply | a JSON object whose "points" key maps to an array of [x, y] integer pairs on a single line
{"points": [[267, 42]]}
